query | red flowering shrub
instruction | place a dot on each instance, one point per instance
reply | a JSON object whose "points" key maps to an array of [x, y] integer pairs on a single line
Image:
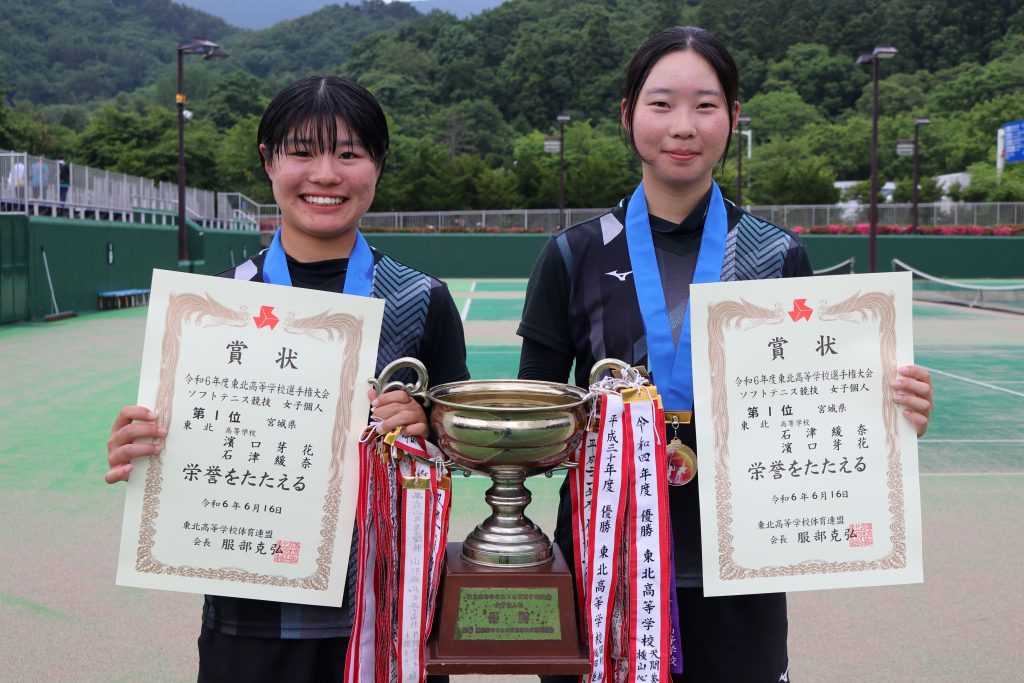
{"points": [[886, 229], [831, 229]]}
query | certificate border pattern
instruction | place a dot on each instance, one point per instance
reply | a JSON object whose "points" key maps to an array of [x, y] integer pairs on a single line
{"points": [[328, 327], [859, 308]]}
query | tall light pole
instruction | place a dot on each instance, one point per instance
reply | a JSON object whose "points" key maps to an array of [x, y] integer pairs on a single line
{"points": [[918, 122], [880, 52], [562, 120], [209, 50], [740, 120]]}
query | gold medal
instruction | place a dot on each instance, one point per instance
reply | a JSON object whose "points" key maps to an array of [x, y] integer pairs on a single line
{"points": [[682, 463]]}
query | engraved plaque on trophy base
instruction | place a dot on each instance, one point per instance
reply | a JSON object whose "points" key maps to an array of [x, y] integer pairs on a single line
{"points": [[506, 620]]}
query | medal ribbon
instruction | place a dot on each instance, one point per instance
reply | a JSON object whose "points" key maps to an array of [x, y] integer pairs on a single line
{"points": [[358, 276], [670, 363]]}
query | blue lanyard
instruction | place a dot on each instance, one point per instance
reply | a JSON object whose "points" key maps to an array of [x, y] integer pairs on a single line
{"points": [[358, 277], [671, 364]]}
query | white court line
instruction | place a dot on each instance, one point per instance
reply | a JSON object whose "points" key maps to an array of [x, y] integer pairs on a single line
{"points": [[971, 474], [970, 441], [974, 381], [469, 300]]}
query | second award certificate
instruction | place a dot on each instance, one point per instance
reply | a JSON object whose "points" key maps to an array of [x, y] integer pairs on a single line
{"points": [[807, 470]]}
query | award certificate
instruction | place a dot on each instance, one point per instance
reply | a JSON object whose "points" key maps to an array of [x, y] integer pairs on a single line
{"points": [[263, 391], [808, 470]]}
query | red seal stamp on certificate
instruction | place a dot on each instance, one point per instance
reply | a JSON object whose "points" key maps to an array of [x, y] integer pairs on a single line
{"points": [[860, 535], [286, 551]]}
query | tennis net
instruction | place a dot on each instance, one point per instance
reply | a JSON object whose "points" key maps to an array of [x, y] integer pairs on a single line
{"points": [[846, 267], [998, 297]]}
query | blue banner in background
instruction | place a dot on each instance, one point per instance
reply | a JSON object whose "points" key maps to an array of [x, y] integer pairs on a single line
{"points": [[1013, 141]]}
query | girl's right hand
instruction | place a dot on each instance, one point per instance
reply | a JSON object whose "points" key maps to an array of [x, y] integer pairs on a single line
{"points": [[133, 434]]}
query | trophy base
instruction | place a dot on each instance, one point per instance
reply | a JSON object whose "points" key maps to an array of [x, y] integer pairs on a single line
{"points": [[483, 613], [491, 545]]}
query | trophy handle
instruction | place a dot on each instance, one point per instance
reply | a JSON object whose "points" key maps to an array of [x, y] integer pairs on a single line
{"points": [[629, 375], [384, 384], [570, 463], [418, 390]]}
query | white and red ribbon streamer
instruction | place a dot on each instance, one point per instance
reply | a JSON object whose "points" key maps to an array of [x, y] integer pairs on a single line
{"points": [[402, 520], [622, 541]]}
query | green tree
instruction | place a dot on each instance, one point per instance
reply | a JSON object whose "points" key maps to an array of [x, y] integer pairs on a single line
{"points": [[536, 172], [240, 168], [146, 145], [779, 114], [235, 97], [417, 177], [496, 189], [844, 145], [599, 169], [472, 126], [725, 176], [927, 190], [31, 130], [526, 79], [820, 79], [956, 141], [861, 192], [782, 172], [462, 74], [989, 186]]}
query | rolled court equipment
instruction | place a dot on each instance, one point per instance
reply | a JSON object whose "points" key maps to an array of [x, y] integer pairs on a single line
{"points": [[57, 313], [1005, 298]]}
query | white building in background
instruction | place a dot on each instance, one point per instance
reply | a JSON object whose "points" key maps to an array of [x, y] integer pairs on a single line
{"points": [[946, 180]]}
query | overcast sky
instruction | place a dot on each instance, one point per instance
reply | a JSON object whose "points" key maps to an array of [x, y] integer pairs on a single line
{"points": [[258, 14]]}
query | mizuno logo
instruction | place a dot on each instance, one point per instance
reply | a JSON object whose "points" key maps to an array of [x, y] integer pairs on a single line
{"points": [[621, 276], [784, 678]]}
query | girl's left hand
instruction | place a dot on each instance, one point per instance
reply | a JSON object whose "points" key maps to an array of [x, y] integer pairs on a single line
{"points": [[397, 408], [914, 392]]}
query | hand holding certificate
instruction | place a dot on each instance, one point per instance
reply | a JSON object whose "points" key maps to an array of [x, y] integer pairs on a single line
{"points": [[808, 469], [262, 391]]}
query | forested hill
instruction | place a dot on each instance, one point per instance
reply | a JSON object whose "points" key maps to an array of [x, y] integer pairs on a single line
{"points": [[57, 51], [534, 58], [471, 100], [64, 52], [314, 43]]}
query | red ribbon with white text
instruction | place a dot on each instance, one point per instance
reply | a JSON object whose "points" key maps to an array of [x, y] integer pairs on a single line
{"points": [[403, 526], [621, 530]]}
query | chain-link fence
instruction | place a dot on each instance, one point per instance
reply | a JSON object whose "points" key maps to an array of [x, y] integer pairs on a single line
{"points": [[940, 213]]}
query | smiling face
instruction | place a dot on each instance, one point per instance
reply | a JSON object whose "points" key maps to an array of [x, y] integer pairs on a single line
{"points": [[681, 123], [322, 193], [323, 141]]}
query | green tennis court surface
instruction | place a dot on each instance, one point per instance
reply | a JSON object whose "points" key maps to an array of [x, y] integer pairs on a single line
{"points": [[64, 619]]}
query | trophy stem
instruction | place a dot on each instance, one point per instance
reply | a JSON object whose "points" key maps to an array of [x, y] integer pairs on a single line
{"points": [[507, 537]]}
